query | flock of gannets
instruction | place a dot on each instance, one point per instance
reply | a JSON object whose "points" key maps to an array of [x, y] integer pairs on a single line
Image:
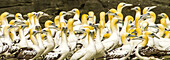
{"points": [[84, 39]]}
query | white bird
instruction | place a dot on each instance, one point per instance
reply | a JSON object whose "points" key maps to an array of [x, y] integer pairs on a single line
{"points": [[114, 39], [62, 51], [123, 52], [72, 39], [89, 51], [99, 46]]}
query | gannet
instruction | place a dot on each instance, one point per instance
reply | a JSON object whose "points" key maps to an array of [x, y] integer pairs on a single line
{"points": [[62, 51], [111, 42], [72, 38], [99, 46], [76, 16], [124, 51], [89, 51]]}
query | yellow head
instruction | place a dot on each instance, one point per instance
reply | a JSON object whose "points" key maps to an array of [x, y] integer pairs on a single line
{"points": [[75, 10], [48, 23], [136, 9], [61, 13], [164, 15], [84, 19], [121, 6], [119, 15], [147, 9], [91, 13], [40, 14], [18, 16], [6, 14], [128, 19], [30, 14], [12, 22]]}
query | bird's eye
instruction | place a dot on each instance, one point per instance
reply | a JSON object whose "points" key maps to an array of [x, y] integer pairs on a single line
{"points": [[34, 32], [18, 16], [136, 8], [128, 34], [64, 13], [152, 34], [10, 26], [52, 23], [44, 30], [83, 29], [22, 26], [115, 13], [124, 4], [97, 25], [66, 27], [148, 13], [163, 15], [140, 37], [90, 32], [109, 12], [130, 21], [7, 15], [15, 22], [74, 11]]}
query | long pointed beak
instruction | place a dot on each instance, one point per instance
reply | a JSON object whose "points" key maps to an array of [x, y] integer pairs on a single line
{"points": [[160, 15], [14, 26], [25, 15], [152, 7], [155, 26], [53, 24], [11, 15], [89, 17], [107, 13], [136, 38], [45, 14], [39, 32], [113, 14], [132, 36], [129, 5], [27, 33], [133, 9], [69, 13], [52, 27], [156, 36]]}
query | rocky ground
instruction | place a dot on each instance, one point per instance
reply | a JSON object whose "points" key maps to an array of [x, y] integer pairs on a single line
{"points": [[53, 7]]}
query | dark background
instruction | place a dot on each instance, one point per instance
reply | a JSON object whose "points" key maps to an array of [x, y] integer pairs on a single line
{"points": [[53, 7]]}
